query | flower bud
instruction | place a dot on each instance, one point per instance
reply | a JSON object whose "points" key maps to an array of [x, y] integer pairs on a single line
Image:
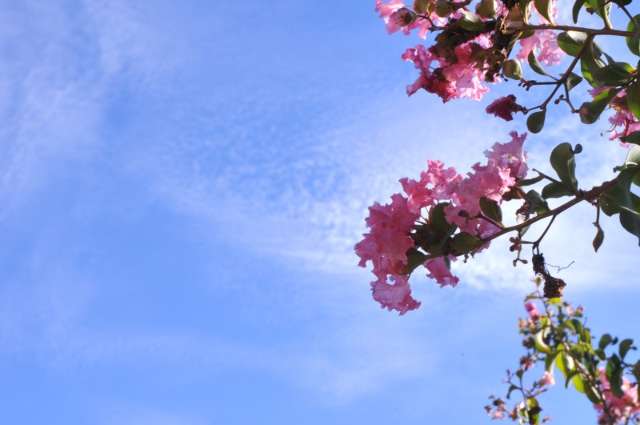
{"points": [[486, 8], [511, 68], [403, 17], [443, 8], [422, 6]]}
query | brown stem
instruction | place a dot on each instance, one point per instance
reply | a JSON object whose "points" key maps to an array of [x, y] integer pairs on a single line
{"points": [[581, 196], [589, 31], [563, 80]]}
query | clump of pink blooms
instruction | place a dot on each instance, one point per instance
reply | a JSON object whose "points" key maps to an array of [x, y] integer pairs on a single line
{"points": [[389, 239], [547, 379], [531, 308], [461, 70], [504, 107], [544, 46], [623, 122], [452, 79], [397, 17], [620, 408]]}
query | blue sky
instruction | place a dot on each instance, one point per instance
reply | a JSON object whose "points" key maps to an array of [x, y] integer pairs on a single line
{"points": [[182, 183]]}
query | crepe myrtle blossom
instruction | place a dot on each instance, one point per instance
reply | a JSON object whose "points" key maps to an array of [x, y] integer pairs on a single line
{"points": [[398, 17], [504, 107], [440, 272], [449, 79], [547, 379], [531, 308], [544, 46], [621, 408], [389, 239], [623, 122]]}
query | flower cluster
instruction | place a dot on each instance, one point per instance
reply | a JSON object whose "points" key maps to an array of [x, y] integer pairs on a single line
{"points": [[472, 47], [393, 234], [556, 336], [620, 409]]}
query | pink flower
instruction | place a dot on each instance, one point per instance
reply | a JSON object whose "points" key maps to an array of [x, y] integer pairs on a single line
{"points": [[396, 296], [544, 45], [621, 408], [436, 184], [388, 241], [390, 226], [398, 17], [510, 155], [439, 270], [506, 163], [461, 78], [547, 379], [623, 123], [505, 107], [532, 310], [386, 246]]}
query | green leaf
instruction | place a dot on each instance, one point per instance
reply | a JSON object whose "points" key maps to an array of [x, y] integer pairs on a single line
{"points": [[563, 162], [531, 181], [555, 190], [535, 65], [572, 42], [599, 238], [605, 341], [533, 411], [631, 223], [632, 138], [590, 111], [615, 73], [415, 258], [470, 21], [572, 81], [422, 6], [545, 9], [438, 221], [602, 8], [537, 204], [575, 377], [491, 209], [535, 121], [614, 375], [633, 42], [620, 199], [486, 8], [539, 344], [464, 243], [590, 63], [576, 10], [565, 363], [633, 157], [511, 68], [624, 347], [633, 98], [636, 374]]}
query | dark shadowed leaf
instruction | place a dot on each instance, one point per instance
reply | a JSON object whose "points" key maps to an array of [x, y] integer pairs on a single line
{"points": [[633, 98], [563, 162], [571, 42], [555, 190], [597, 241], [633, 42], [535, 121], [576, 10], [535, 65], [491, 209]]}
